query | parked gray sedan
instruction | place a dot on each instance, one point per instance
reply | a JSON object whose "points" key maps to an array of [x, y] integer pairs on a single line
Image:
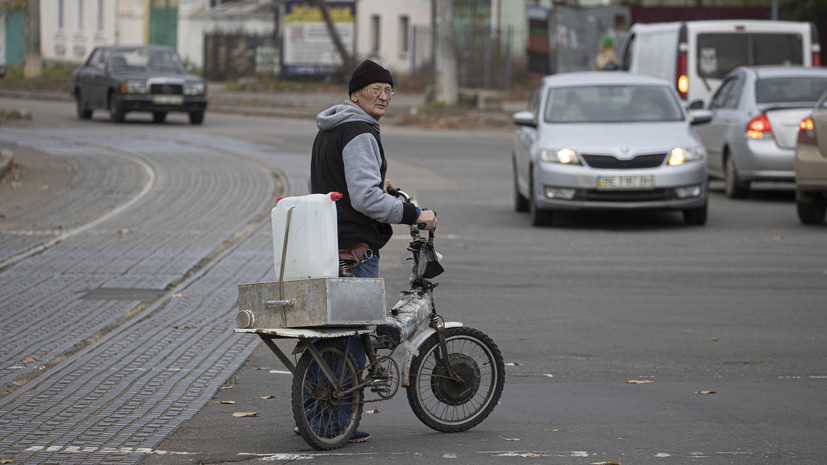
{"points": [[755, 118], [603, 140], [146, 78]]}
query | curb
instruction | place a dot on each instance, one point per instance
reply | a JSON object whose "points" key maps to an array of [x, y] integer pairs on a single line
{"points": [[6, 159]]}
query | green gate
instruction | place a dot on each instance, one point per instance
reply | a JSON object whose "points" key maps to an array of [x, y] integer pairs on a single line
{"points": [[15, 51], [163, 23]]}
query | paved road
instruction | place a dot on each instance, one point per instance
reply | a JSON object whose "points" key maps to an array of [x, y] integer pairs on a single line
{"points": [[735, 308]]}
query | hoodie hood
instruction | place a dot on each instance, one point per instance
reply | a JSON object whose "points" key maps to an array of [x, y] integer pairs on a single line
{"points": [[345, 112]]}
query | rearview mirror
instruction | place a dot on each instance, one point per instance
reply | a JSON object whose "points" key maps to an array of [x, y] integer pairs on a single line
{"points": [[525, 118]]}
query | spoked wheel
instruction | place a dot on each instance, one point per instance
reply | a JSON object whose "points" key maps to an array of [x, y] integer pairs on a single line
{"points": [[442, 403], [326, 419]]}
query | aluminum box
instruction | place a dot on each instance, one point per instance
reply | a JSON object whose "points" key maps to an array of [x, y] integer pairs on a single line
{"points": [[312, 302]]}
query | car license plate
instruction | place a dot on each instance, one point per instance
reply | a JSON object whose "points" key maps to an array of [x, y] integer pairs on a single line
{"points": [[625, 182], [168, 99]]}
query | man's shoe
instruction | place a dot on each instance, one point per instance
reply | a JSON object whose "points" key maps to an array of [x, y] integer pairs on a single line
{"points": [[359, 436]]}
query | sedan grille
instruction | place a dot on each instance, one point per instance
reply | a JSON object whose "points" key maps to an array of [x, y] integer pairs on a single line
{"points": [[612, 163], [166, 89], [651, 195]]}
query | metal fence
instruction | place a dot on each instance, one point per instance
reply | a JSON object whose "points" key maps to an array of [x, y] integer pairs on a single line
{"points": [[485, 56]]}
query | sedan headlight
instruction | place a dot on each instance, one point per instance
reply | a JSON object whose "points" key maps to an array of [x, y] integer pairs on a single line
{"points": [[195, 88], [680, 155], [564, 156], [134, 87]]}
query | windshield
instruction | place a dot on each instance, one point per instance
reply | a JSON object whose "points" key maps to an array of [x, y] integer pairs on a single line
{"points": [[611, 104], [146, 59], [783, 90]]}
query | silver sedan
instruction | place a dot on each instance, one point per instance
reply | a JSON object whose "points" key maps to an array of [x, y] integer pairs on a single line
{"points": [[607, 141], [755, 116]]}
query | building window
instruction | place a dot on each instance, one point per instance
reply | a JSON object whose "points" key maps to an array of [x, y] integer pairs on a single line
{"points": [[80, 15], [60, 14], [374, 33], [100, 16], [404, 45]]}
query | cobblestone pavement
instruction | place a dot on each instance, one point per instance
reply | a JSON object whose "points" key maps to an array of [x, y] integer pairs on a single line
{"points": [[118, 290]]}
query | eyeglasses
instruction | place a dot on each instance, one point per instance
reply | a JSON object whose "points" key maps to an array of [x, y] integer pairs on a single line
{"points": [[389, 92]]}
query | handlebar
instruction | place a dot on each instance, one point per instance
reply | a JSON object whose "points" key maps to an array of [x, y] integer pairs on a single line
{"points": [[396, 192]]}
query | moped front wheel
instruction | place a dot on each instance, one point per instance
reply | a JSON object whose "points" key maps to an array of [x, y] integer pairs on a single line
{"points": [[444, 404], [326, 418]]}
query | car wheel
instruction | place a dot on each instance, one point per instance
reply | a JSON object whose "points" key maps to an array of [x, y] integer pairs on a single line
{"points": [[83, 110], [115, 110], [539, 217], [811, 213], [734, 187], [159, 116], [520, 201], [696, 216], [196, 117]]}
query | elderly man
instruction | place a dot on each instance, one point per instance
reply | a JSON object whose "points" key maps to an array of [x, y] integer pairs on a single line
{"points": [[348, 158]]}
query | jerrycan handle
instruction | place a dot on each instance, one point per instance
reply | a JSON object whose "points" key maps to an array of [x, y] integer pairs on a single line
{"points": [[284, 252]]}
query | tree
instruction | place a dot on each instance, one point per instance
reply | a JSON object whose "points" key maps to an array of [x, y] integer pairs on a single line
{"points": [[347, 59], [34, 61]]}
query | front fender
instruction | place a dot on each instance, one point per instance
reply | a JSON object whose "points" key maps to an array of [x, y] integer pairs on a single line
{"points": [[416, 342]]}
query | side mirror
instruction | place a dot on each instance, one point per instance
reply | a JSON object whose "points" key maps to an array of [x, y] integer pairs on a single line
{"points": [[525, 118], [696, 104], [699, 116]]}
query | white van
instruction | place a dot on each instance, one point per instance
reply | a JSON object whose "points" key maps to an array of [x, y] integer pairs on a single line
{"points": [[696, 55]]}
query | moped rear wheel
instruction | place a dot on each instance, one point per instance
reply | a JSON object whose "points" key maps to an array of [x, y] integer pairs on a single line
{"points": [[326, 419], [440, 402]]}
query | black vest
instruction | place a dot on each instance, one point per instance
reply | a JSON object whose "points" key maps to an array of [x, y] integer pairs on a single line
{"points": [[327, 174]]}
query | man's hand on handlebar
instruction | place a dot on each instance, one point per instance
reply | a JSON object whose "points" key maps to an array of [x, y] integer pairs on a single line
{"points": [[427, 218]]}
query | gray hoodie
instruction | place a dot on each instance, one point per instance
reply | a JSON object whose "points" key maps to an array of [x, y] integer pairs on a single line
{"points": [[362, 163]]}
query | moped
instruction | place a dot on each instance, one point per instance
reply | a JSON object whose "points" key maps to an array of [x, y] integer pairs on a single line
{"points": [[453, 374]]}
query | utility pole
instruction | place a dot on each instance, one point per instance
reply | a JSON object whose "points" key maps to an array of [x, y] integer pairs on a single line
{"points": [[447, 88], [34, 61]]}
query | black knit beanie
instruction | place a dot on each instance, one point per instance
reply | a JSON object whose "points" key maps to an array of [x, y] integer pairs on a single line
{"points": [[366, 73]]}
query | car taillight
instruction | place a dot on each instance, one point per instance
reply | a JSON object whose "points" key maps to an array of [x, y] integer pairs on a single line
{"points": [[806, 132], [759, 128], [683, 79], [816, 60]]}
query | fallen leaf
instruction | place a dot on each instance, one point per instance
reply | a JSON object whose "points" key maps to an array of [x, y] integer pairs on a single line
{"points": [[225, 387], [245, 414], [44, 187], [179, 294], [508, 439], [4, 461], [639, 381], [528, 454], [705, 392], [513, 364], [604, 463], [228, 402], [556, 430], [376, 410], [29, 360], [126, 231], [267, 397]]}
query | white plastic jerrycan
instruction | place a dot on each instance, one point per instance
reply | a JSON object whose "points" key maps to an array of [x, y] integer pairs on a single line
{"points": [[312, 236]]}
